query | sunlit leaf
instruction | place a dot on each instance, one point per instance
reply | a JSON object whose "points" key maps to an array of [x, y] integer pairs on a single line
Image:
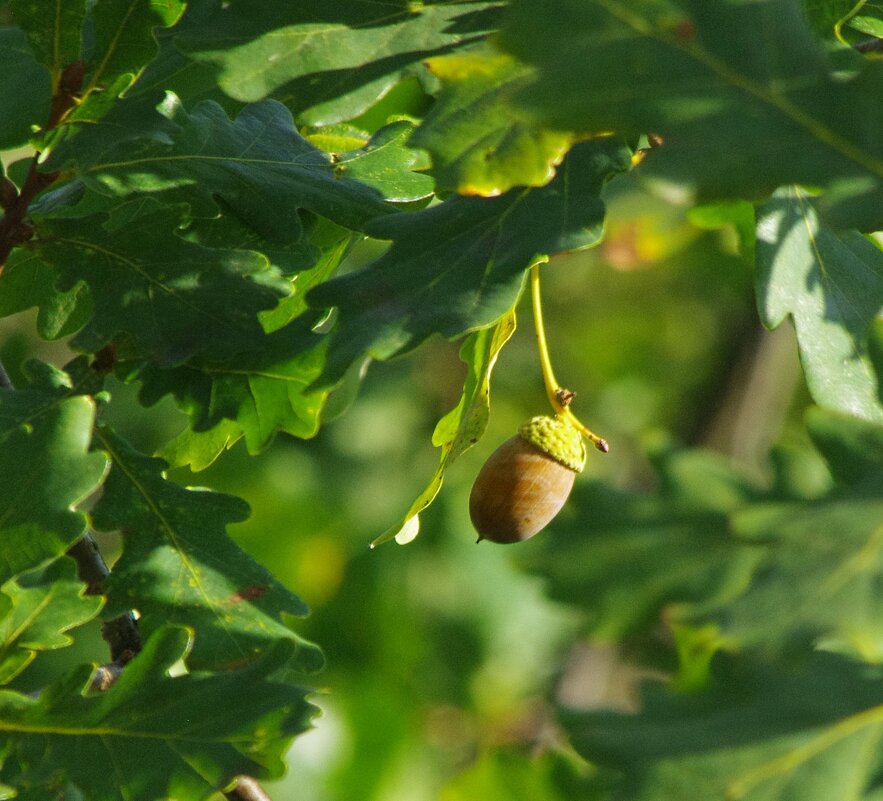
{"points": [[36, 610], [46, 469], [460, 265], [258, 164], [465, 424], [739, 113], [179, 566], [333, 60], [481, 142], [152, 736], [831, 284]]}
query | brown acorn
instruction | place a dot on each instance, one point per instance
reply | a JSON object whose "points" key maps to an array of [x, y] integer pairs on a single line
{"points": [[526, 481]]}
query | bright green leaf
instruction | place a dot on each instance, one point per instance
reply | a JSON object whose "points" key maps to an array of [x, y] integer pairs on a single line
{"points": [[124, 39], [332, 60], [35, 612], [465, 424], [740, 113], [199, 449], [174, 298], [264, 390], [258, 164], [151, 736], [386, 163], [460, 265], [873, 26], [28, 281], [831, 283], [46, 469], [179, 566], [480, 141], [255, 392]]}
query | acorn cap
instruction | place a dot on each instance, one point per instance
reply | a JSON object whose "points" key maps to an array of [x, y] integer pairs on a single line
{"points": [[558, 438]]}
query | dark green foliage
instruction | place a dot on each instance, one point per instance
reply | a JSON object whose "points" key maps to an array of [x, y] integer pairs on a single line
{"points": [[222, 212]]}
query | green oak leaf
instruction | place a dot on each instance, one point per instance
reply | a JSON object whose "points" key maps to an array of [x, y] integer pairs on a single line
{"points": [[821, 561], [28, 281], [36, 610], [253, 162], [740, 113], [866, 17], [759, 733], [460, 265], [263, 390], [258, 391], [54, 33], [383, 161], [330, 61], [173, 298], [152, 735], [179, 566], [480, 141], [173, 71], [464, 425], [124, 38], [626, 560], [21, 110], [199, 449], [873, 26], [831, 283], [817, 579], [46, 469]]}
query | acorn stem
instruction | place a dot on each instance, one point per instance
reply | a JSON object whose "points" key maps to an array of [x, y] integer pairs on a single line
{"points": [[558, 396]]}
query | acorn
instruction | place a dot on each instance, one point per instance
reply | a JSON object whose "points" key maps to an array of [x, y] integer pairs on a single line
{"points": [[526, 481]]}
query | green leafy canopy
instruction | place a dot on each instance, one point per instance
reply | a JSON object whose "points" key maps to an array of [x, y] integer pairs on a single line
{"points": [[237, 206]]}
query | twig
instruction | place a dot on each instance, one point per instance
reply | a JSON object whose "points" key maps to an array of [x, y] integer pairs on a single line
{"points": [[121, 633], [13, 228]]}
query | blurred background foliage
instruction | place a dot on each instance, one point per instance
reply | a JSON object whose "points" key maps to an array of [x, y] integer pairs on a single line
{"points": [[444, 658]]}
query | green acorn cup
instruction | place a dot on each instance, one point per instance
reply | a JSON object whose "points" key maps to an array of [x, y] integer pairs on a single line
{"points": [[526, 481]]}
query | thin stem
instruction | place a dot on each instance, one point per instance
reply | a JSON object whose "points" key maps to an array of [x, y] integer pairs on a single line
{"points": [[14, 230], [558, 396], [552, 385], [121, 633]]}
